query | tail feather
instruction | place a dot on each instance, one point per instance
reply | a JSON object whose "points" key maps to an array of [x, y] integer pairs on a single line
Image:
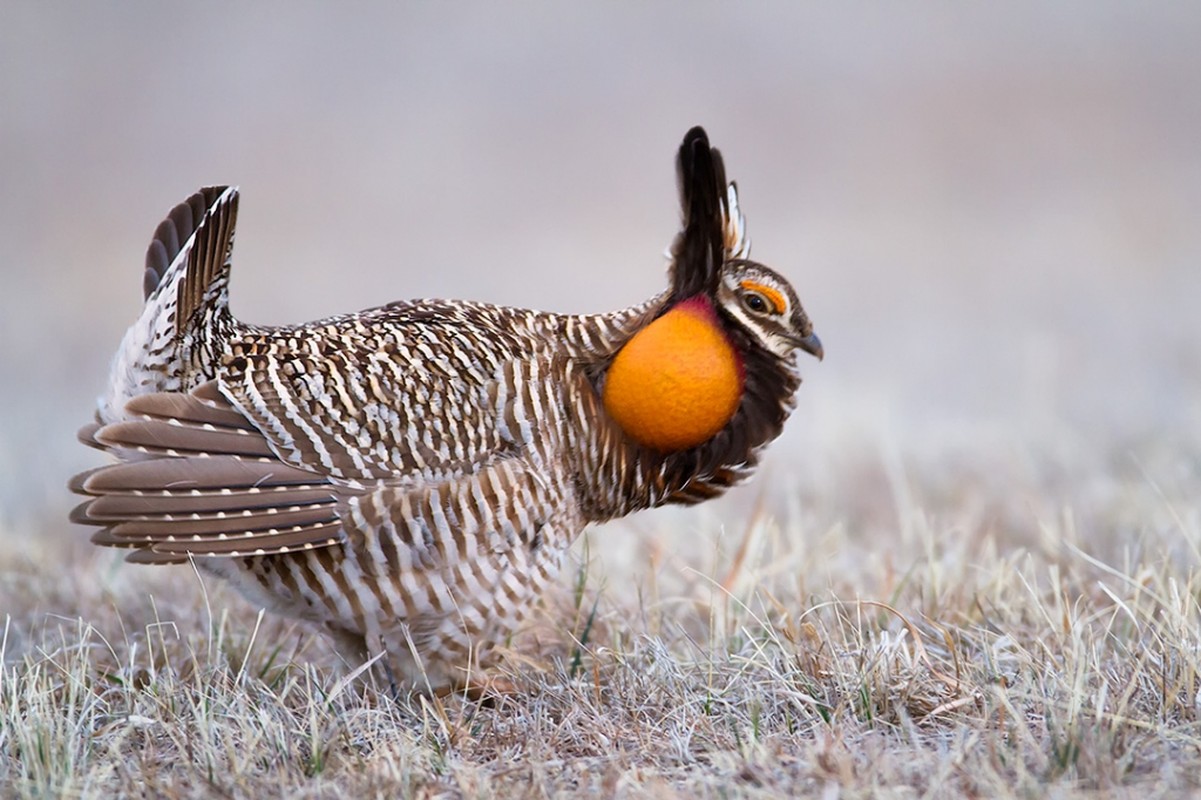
{"points": [[197, 479], [189, 474], [127, 505], [87, 435], [205, 530], [179, 438], [206, 274], [172, 233], [194, 407], [185, 282]]}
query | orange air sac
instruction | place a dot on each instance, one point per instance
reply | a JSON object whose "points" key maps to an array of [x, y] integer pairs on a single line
{"points": [[677, 382]]}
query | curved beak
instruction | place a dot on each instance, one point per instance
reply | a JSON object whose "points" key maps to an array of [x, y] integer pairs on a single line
{"points": [[811, 345]]}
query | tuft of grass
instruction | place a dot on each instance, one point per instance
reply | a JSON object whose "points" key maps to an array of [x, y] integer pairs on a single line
{"points": [[942, 635]]}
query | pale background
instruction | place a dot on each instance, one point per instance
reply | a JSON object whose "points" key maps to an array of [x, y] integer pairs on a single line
{"points": [[992, 212]]}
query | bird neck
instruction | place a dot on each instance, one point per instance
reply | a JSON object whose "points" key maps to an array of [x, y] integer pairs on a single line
{"points": [[614, 471]]}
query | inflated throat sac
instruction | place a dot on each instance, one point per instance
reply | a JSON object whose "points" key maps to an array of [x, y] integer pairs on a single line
{"points": [[677, 382]]}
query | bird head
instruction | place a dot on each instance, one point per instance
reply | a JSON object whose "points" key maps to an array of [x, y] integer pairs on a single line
{"points": [[765, 305], [710, 258], [725, 333]]}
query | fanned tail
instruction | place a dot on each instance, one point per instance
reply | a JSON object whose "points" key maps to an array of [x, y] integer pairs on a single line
{"points": [[196, 478], [185, 283]]}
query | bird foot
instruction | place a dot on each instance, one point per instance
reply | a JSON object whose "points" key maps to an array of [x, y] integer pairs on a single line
{"points": [[487, 689]]}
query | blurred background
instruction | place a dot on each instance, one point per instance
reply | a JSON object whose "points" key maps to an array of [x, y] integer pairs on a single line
{"points": [[991, 211]]}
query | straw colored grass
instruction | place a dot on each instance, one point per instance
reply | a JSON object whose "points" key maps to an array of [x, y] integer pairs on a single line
{"points": [[883, 629]]}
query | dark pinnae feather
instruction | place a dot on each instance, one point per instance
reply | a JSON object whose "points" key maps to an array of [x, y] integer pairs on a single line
{"points": [[699, 248]]}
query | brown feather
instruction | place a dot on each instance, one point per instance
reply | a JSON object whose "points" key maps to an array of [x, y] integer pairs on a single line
{"points": [[263, 543], [144, 555], [208, 257], [109, 507], [87, 435], [246, 523], [80, 514], [77, 482], [182, 438], [210, 392], [105, 538], [192, 472], [172, 233], [191, 408]]}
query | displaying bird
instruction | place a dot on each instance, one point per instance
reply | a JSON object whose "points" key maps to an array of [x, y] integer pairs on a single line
{"points": [[409, 477]]}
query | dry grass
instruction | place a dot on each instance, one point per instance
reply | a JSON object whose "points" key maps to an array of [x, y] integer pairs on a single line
{"points": [[888, 630]]}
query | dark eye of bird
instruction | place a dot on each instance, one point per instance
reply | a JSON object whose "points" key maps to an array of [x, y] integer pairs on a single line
{"points": [[755, 302]]}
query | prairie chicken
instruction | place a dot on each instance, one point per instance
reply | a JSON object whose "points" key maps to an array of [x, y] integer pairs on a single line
{"points": [[410, 476]]}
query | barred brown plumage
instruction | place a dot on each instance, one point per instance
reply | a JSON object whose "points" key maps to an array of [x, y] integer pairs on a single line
{"points": [[410, 476]]}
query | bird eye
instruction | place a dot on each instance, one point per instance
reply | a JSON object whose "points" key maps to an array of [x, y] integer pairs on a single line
{"points": [[755, 302]]}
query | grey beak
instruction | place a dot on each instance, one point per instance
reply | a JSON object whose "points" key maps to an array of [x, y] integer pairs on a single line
{"points": [[811, 345]]}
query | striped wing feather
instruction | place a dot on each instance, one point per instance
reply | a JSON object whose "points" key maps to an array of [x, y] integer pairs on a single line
{"points": [[403, 394]]}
